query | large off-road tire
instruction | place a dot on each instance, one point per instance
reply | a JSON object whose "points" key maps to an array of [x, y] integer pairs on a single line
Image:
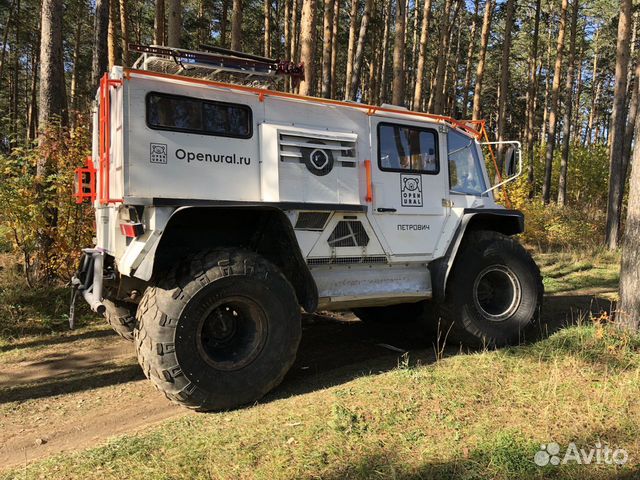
{"points": [[391, 314], [494, 294], [218, 331], [121, 316]]}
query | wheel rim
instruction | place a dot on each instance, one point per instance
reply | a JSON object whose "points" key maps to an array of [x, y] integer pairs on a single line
{"points": [[497, 293], [232, 333]]}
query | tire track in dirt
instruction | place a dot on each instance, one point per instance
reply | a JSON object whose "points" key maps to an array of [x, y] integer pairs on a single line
{"points": [[75, 394]]}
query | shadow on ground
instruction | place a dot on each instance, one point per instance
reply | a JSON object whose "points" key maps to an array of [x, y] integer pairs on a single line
{"points": [[334, 350], [505, 455], [53, 340], [66, 384]]}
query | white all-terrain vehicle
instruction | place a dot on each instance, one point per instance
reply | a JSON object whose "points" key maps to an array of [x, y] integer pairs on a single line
{"points": [[224, 210]]}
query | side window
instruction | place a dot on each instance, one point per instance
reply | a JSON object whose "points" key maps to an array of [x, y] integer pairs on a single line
{"points": [[407, 149], [465, 171], [193, 115]]}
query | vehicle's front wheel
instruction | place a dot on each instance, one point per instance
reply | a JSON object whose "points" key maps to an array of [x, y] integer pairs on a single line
{"points": [[219, 331], [494, 293]]}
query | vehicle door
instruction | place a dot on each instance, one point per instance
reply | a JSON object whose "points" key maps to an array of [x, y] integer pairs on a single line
{"points": [[410, 184]]}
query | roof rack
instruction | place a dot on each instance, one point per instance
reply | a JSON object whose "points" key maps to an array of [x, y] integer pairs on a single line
{"points": [[218, 60]]}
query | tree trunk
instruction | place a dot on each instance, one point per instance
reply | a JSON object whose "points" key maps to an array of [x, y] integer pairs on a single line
{"points": [[382, 95], [448, 74], [631, 121], [618, 121], [53, 108], [327, 45], [422, 54], [438, 96], [627, 313], [267, 28], [553, 108], [124, 30], [357, 60], [53, 96], [334, 48], [224, 23], [504, 77], [236, 25], [76, 69], [287, 27], [294, 30], [452, 85], [202, 19], [307, 45], [158, 25], [398, 55], [532, 92], [547, 90], [594, 90], [372, 88], [174, 23], [353, 24], [6, 37], [577, 119], [112, 37], [100, 60], [484, 41], [32, 121], [568, 108], [470, 50]]}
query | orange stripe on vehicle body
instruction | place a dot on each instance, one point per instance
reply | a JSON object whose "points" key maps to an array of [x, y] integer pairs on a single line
{"points": [[369, 109]]}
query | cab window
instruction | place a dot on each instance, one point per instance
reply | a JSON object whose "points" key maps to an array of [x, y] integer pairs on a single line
{"points": [[465, 170], [407, 149]]}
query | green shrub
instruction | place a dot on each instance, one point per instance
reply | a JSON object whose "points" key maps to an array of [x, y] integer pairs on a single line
{"points": [[45, 226], [580, 223]]}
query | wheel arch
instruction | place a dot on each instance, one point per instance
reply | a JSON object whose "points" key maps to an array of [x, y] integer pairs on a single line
{"points": [[507, 222], [264, 230]]}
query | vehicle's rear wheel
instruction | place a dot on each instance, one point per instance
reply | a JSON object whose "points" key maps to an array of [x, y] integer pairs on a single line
{"points": [[494, 293], [401, 313], [121, 316], [219, 331]]}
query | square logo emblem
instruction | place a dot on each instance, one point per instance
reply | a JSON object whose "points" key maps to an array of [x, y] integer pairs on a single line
{"points": [[158, 153], [411, 190]]}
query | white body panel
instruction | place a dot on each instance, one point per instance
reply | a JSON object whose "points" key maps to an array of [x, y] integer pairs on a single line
{"points": [[367, 252]]}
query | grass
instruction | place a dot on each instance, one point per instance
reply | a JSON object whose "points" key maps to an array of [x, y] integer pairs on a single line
{"points": [[476, 416], [570, 271], [27, 312]]}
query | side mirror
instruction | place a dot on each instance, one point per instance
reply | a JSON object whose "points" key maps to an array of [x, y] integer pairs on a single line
{"points": [[510, 162]]}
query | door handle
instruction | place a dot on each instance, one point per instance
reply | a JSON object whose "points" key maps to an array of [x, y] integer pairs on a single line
{"points": [[386, 210]]}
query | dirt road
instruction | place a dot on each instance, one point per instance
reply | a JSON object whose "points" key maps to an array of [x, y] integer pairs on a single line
{"points": [[75, 390]]}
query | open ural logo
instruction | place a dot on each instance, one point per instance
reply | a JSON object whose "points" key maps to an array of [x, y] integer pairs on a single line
{"points": [[158, 153], [318, 161], [411, 190]]}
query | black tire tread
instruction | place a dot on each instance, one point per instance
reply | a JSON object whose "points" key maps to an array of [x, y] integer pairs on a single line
{"points": [[160, 309], [458, 331], [121, 316]]}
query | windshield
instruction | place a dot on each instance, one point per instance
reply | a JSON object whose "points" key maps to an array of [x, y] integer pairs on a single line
{"points": [[465, 171]]}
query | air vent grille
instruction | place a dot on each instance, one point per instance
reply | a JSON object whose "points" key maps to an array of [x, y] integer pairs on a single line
{"points": [[339, 150], [349, 233], [311, 221], [346, 260]]}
